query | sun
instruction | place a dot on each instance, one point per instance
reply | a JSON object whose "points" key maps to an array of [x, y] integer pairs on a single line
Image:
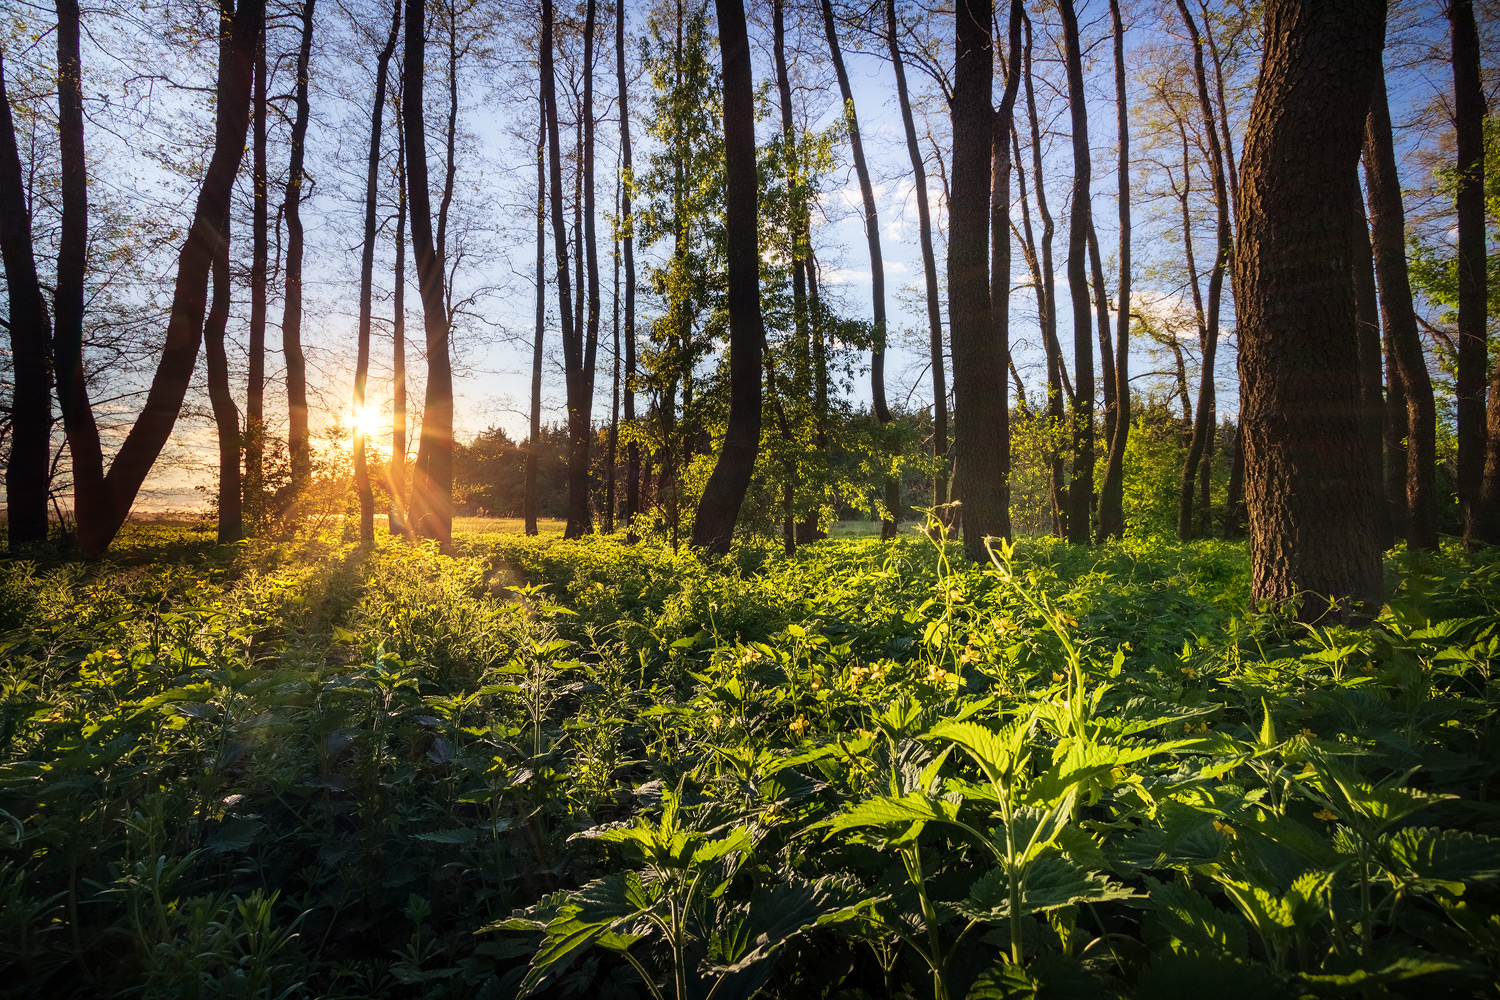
{"points": [[364, 420]]}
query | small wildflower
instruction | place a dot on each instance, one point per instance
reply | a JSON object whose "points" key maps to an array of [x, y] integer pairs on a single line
{"points": [[1067, 619], [1307, 734], [1326, 815], [936, 674], [1226, 830], [971, 655], [1057, 678], [1191, 673], [799, 725], [1004, 626]]}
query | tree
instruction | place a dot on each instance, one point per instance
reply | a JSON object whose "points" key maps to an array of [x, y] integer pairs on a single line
{"points": [[627, 234], [399, 518], [1112, 493], [533, 441], [226, 414], [299, 441], [255, 389], [719, 508], [1310, 500], [1388, 241], [1080, 221], [432, 487], [366, 282]]}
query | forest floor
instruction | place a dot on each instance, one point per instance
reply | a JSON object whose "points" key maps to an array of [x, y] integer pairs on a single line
{"points": [[315, 768]]}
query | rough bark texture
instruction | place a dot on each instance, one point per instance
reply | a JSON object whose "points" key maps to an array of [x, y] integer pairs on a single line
{"points": [[529, 501], [1371, 359], [299, 444], [998, 351], [255, 388], [978, 363], [226, 414], [1080, 219], [1310, 500], [1388, 240], [1468, 133], [366, 282], [432, 489], [1112, 492], [627, 227], [30, 334], [719, 508]]}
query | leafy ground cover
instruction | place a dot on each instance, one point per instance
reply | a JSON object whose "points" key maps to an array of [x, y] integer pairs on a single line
{"points": [[588, 770]]}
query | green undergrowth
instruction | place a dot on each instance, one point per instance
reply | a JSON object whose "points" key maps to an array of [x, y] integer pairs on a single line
{"points": [[587, 769]]}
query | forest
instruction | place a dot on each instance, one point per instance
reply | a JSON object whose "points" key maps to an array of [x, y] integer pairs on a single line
{"points": [[880, 498]]}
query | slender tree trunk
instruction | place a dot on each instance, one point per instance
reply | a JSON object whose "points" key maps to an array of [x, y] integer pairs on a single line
{"points": [[1080, 219], [1225, 135], [1107, 381], [26, 474], [366, 282], [450, 133], [534, 444], [1468, 131], [226, 415], [929, 270], [400, 519], [1388, 240], [614, 391], [995, 407], [1307, 486], [877, 265], [432, 492], [571, 336], [1112, 494], [581, 382], [255, 389], [1234, 498], [1372, 402], [719, 507], [299, 442], [1393, 429], [627, 224]]}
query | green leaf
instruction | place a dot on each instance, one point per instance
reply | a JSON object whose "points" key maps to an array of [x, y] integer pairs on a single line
{"points": [[1425, 854], [1046, 884], [885, 810], [1194, 921]]}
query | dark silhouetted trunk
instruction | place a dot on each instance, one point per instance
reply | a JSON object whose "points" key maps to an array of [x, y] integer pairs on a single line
{"points": [[581, 376], [994, 416], [299, 441], [1388, 241], [255, 387], [226, 415], [1371, 357], [614, 390], [534, 442], [432, 486], [1311, 503], [1112, 493], [627, 224], [713, 528], [366, 281], [1080, 219], [571, 336], [399, 518], [26, 473]]}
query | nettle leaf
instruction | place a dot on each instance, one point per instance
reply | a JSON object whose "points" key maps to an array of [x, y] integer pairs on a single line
{"points": [[1426, 854], [996, 753], [886, 809], [1193, 920], [1046, 884], [461, 835], [590, 916], [1184, 838]]}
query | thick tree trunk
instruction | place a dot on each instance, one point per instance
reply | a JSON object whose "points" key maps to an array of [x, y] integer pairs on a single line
{"points": [[255, 388], [1080, 220], [929, 268], [366, 282], [533, 445], [432, 490], [1468, 132], [1112, 493], [299, 441], [877, 264], [1388, 240], [627, 225], [226, 415], [30, 333], [1310, 500], [719, 508]]}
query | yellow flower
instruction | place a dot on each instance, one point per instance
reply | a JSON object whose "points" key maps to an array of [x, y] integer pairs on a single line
{"points": [[1326, 815], [1226, 830], [799, 725], [1191, 673], [971, 655], [1004, 626], [1067, 619], [1307, 734], [936, 674]]}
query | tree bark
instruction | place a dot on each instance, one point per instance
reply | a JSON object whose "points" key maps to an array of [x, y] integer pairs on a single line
{"points": [[581, 378], [299, 441], [1388, 240], [533, 445], [994, 400], [1310, 500], [399, 517], [1371, 358], [1112, 493], [26, 473], [226, 415], [627, 224], [719, 507], [432, 490], [366, 282], [1080, 220], [255, 388], [571, 336], [612, 459]]}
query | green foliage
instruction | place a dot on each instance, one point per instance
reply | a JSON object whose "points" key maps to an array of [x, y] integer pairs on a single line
{"points": [[580, 768]]}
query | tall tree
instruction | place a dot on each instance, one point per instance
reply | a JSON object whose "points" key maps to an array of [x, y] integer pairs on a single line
{"points": [[1388, 241], [1371, 361], [432, 488], [299, 441], [571, 337], [627, 227], [719, 507], [534, 440], [30, 336], [366, 283], [978, 360], [1112, 493], [612, 459], [1080, 220], [929, 265], [877, 264], [580, 374], [226, 414], [399, 519], [1310, 500], [255, 388], [1468, 134]]}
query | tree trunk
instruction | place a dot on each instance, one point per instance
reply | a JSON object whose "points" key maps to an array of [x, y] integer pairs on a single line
{"points": [[226, 415], [993, 398], [432, 490], [627, 224], [877, 265], [1112, 494], [533, 445], [1388, 240], [255, 388], [366, 281], [1310, 500], [719, 507], [614, 390], [581, 380], [1107, 380], [571, 339], [1080, 219], [1371, 357], [1468, 132], [299, 442], [26, 473], [929, 271], [399, 518]]}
